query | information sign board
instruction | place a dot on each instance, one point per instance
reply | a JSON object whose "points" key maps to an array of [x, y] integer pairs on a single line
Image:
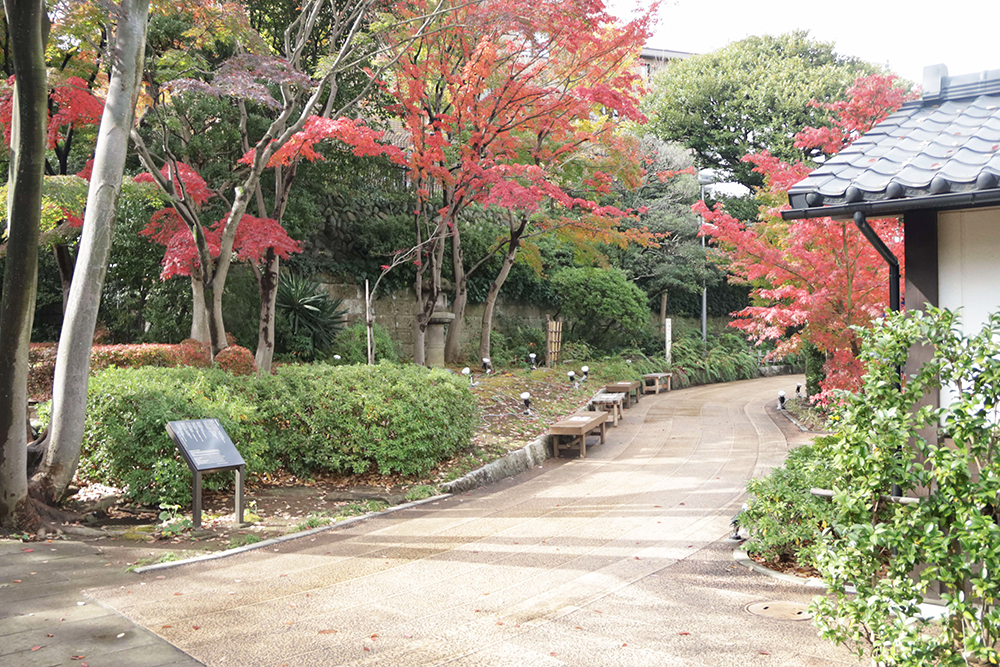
{"points": [[206, 447]]}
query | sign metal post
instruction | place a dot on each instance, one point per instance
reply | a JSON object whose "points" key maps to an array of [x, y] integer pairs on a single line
{"points": [[206, 447]]}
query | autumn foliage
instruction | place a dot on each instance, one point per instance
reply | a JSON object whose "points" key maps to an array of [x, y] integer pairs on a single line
{"points": [[812, 280], [505, 96], [166, 227]]}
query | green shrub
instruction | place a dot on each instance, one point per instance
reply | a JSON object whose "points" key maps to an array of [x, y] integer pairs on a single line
{"points": [[945, 545], [602, 307], [352, 344], [814, 369], [784, 520], [125, 440], [236, 360], [724, 358], [393, 419], [511, 345]]}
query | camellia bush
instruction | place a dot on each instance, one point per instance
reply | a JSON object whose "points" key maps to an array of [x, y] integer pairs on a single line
{"points": [[894, 553], [306, 419]]}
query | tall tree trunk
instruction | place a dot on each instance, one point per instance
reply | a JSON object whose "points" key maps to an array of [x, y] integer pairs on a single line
{"points": [[267, 282], [491, 297], [69, 389], [64, 260], [199, 316], [28, 23], [453, 343]]}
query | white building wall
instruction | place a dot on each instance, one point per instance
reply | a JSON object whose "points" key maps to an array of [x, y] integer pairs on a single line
{"points": [[969, 267], [969, 264]]}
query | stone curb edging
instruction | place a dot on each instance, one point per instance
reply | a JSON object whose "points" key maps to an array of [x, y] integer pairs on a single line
{"points": [[741, 557], [512, 464], [795, 421], [285, 538]]}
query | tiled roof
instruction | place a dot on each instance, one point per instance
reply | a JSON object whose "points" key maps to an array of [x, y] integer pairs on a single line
{"points": [[948, 142]]}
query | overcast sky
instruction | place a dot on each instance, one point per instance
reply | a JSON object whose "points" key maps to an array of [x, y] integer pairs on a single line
{"points": [[906, 35]]}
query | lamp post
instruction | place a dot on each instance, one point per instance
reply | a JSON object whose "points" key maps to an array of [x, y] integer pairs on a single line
{"points": [[705, 177]]}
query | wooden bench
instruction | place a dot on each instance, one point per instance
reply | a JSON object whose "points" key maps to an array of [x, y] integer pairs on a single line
{"points": [[653, 382], [577, 426], [613, 404], [628, 388]]}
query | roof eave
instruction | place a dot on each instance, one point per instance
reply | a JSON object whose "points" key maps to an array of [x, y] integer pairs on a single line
{"points": [[893, 207]]}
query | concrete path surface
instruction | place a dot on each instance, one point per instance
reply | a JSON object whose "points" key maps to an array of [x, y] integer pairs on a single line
{"points": [[45, 619], [619, 559]]}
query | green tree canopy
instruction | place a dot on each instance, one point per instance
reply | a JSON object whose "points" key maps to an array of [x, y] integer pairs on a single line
{"points": [[749, 96], [606, 310]]}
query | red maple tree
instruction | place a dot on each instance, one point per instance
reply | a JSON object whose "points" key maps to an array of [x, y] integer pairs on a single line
{"points": [[517, 105], [812, 280], [254, 236]]}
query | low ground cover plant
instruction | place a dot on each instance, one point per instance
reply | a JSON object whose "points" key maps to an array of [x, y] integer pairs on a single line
{"points": [[306, 419]]}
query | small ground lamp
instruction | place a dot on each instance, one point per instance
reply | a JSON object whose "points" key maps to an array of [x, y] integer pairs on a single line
{"points": [[486, 365], [532, 357], [586, 372], [526, 397], [467, 372], [781, 399], [798, 390], [572, 378]]}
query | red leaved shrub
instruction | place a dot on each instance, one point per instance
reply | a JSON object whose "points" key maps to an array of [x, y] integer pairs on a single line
{"points": [[236, 360], [190, 352]]}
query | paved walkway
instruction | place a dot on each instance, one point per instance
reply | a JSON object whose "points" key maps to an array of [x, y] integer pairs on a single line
{"points": [[617, 559]]}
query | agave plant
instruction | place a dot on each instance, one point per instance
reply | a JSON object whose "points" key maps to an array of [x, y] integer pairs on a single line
{"points": [[310, 312]]}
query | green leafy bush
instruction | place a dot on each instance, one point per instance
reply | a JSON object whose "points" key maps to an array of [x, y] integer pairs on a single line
{"points": [[602, 307], [511, 345], [393, 419], [894, 553], [125, 441], [724, 358], [785, 520], [352, 344], [815, 360]]}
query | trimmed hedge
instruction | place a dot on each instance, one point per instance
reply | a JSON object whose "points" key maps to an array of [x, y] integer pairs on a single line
{"points": [[307, 419]]}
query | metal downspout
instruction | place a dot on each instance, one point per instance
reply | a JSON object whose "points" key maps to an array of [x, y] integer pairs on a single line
{"points": [[862, 224]]}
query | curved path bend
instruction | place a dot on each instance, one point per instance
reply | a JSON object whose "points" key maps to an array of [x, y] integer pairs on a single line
{"points": [[617, 559]]}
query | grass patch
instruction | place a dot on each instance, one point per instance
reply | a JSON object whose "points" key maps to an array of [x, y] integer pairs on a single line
{"points": [[420, 492], [364, 507], [166, 557], [314, 520], [243, 540]]}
